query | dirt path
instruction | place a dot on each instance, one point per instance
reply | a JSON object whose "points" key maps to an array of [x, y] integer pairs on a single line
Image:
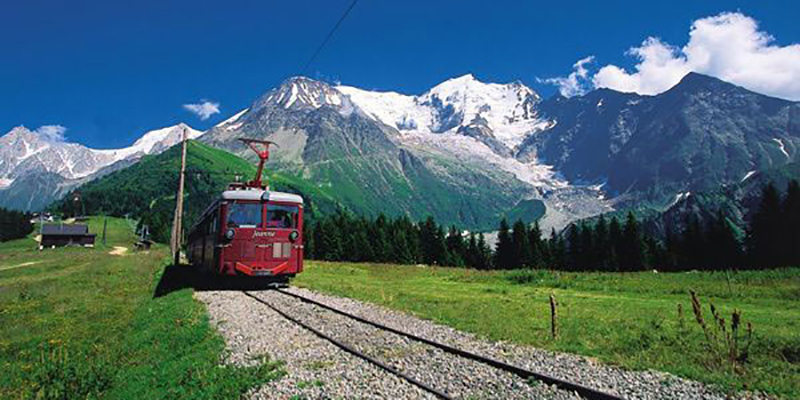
{"points": [[118, 251], [19, 265]]}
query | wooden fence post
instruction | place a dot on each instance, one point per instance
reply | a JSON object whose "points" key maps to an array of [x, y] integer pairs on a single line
{"points": [[553, 316]]}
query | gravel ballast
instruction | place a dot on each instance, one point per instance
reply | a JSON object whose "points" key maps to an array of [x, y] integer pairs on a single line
{"points": [[317, 369]]}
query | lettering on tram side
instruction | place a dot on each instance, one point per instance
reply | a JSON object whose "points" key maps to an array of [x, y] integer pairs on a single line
{"points": [[263, 234]]}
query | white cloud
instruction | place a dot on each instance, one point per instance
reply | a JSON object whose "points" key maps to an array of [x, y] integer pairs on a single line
{"points": [[203, 110], [575, 83], [52, 133], [728, 46]]}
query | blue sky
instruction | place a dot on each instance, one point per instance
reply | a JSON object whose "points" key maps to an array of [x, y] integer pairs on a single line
{"points": [[110, 70]]}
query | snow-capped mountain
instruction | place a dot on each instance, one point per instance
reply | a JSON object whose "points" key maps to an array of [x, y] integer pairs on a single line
{"points": [[502, 113], [465, 151], [22, 150], [302, 93], [393, 151], [26, 156], [325, 137], [477, 123], [153, 142], [232, 123], [580, 156]]}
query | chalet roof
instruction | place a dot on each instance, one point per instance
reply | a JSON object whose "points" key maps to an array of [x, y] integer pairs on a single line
{"points": [[65, 229]]}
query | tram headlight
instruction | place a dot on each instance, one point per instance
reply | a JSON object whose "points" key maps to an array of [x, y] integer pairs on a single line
{"points": [[230, 233], [293, 236]]}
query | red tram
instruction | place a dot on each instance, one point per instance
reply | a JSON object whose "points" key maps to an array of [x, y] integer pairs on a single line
{"points": [[250, 230]]}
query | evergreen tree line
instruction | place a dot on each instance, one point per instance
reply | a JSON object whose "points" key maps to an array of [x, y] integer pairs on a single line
{"points": [[606, 245], [345, 237], [771, 240], [14, 224]]}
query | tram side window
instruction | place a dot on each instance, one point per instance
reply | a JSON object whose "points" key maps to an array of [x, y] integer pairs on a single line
{"points": [[244, 215], [281, 217], [211, 225]]}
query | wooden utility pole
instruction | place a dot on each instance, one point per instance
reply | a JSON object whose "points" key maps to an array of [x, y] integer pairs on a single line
{"points": [[177, 230], [553, 317]]}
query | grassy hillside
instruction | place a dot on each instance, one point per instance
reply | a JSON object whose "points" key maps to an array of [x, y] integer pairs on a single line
{"points": [[627, 319], [83, 323], [406, 184], [529, 211], [147, 189]]}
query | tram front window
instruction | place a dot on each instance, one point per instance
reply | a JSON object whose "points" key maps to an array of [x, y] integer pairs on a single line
{"points": [[281, 217], [244, 215]]}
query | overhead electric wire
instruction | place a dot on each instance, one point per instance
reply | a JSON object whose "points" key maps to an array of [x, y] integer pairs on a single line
{"points": [[328, 38]]}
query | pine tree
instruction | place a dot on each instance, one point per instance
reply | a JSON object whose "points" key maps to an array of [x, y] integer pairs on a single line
{"points": [[654, 252], [413, 235], [456, 248], [724, 247], [361, 248], [535, 242], [587, 256], [764, 242], [615, 244], [557, 250], [381, 247], [522, 248], [575, 251], [427, 240], [601, 242], [331, 240], [632, 254], [403, 251], [308, 240], [319, 239], [485, 255], [693, 244], [791, 225], [671, 251], [440, 247], [471, 255], [504, 257], [432, 242]]}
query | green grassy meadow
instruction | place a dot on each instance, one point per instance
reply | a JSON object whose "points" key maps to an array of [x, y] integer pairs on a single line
{"points": [[81, 323], [630, 319]]}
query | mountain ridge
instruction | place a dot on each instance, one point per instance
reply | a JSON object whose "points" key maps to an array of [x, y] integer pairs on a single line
{"points": [[701, 133], [325, 137], [26, 157], [469, 152]]}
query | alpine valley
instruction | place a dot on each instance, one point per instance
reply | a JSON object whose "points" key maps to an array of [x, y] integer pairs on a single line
{"points": [[465, 151]]}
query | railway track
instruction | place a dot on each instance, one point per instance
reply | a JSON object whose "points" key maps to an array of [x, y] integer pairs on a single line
{"points": [[583, 391]]}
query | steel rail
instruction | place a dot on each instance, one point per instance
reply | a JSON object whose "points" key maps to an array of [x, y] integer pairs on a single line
{"points": [[584, 391], [352, 350]]}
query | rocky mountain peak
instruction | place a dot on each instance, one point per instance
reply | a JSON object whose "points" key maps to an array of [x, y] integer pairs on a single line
{"points": [[18, 131], [694, 83], [301, 93], [161, 139], [509, 109], [26, 156], [21, 134]]}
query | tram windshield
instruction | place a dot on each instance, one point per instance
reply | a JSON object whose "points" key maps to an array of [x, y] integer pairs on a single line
{"points": [[281, 217], [244, 215]]}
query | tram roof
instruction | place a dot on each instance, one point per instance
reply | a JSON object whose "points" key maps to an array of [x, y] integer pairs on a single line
{"points": [[258, 195]]}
